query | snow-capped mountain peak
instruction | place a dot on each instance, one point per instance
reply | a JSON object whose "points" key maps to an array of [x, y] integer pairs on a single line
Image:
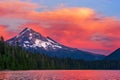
{"points": [[33, 41], [28, 38]]}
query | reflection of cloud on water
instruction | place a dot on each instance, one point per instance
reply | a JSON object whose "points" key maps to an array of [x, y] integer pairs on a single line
{"points": [[60, 75], [26, 75], [20, 76], [2, 76], [39, 75]]}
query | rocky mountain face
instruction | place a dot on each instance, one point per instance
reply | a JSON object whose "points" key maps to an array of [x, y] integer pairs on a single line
{"points": [[33, 41]]}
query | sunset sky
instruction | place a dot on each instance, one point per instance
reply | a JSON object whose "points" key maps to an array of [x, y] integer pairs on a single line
{"points": [[84, 24]]}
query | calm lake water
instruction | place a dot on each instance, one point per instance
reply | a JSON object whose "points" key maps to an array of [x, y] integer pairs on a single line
{"points": [[61, 75]]}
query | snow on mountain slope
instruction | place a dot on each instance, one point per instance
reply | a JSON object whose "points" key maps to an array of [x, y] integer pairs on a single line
{"points": [[29, 38], [34, 41]]}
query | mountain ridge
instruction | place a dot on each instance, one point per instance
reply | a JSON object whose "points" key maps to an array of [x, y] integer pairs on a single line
{"points": [[115, 55], [34, 41]]}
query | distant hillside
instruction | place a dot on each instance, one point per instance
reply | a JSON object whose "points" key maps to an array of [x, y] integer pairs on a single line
{"points": [[114, 55]]}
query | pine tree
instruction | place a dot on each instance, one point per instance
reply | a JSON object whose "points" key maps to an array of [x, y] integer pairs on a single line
{"points": [[2, 46]]}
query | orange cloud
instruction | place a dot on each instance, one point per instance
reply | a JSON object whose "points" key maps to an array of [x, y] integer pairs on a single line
{"points": [[19, 8], [82, 28]]}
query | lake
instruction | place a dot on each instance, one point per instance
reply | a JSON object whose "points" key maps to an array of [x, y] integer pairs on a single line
{"points": [[61, 75]]}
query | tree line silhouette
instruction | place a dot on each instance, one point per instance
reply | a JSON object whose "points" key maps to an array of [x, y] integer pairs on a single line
{"points": [[16, 58]]}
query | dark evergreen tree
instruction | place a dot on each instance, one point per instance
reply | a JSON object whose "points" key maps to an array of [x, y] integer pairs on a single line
{"points": [[2, 48]]}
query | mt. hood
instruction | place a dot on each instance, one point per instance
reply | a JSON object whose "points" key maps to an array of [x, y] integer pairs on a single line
{"points": [[33, 41]]}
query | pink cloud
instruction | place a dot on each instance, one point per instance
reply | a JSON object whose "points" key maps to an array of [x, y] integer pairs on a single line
{"points": [[82, 28]]}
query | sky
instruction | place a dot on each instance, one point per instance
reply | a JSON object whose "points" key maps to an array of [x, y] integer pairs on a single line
{"points": [[106, 7], [91, 25]]}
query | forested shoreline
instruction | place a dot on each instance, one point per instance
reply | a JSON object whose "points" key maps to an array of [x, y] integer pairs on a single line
{"points": [[16, 58]]}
